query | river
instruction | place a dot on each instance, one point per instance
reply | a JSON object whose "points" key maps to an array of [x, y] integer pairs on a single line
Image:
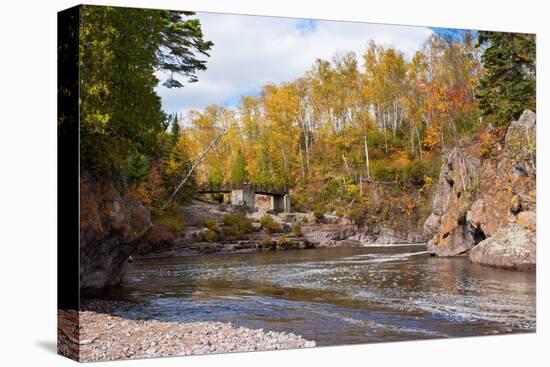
{"points": [[333, 296]]}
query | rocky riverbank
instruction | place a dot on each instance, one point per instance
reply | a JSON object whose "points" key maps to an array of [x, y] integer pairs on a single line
{"points": [[112, 224], [93, 335], [485, 201], [287, 231]]}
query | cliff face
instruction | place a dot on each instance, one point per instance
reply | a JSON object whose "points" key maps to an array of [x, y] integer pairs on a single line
{"points": [[486, 205], [111, 226]]}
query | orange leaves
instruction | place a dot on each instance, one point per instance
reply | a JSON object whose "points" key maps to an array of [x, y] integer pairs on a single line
{"points": [[490, 140], [432, 140], [151, 191]]}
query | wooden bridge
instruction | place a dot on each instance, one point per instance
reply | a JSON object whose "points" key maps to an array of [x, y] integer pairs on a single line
{"points": [[264, 189], [244, 194]]}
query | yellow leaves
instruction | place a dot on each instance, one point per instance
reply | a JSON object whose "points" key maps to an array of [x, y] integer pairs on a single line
{"points": [[432, 140], [97, 121], [401, 160]]}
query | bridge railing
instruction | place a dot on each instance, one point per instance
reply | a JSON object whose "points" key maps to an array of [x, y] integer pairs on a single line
{"points": [[269, 189]]}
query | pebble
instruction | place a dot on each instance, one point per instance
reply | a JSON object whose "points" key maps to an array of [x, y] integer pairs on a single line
{"points": [[110, 337]]}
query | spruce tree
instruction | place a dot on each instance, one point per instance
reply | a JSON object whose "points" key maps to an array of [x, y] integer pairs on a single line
{"points": [[138, 169], [175, 130], [508, 85]]}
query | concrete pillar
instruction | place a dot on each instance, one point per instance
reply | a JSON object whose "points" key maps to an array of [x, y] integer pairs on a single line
{"points": [[282, 203], [286, 204], [242, 198]]}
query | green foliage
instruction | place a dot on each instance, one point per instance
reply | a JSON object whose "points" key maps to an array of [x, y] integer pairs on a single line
{"points": [[522, 146], [216, 176], [212, 224], [239, 172], [269, 224], [357, 214], [170, 217], [297, 230], [265, 172], [174, 168], [210, 236], [175, 133], [319, 211], [237, 224], [120, 51], [138, 169], [509, 84], [411, 173]]}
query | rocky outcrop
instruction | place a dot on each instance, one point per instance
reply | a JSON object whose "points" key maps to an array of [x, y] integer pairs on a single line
{"points": [[447, 223], [476, 197], [328, 235], [392, 236], [512, 247], [349, 235], [111, 227]]}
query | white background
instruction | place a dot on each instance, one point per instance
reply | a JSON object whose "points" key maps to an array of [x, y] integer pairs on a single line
{"points": [[28, 182]]}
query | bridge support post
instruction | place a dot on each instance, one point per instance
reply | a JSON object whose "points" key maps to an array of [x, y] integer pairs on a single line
{"points": [[281, 202], [286, 204], [242, 197]]}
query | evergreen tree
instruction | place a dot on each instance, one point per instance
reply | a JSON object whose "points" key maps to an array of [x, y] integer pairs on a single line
{"points": [[265, 172], [138, 168], [239, 172], [508, 85], [175, 130], [120, 51]]}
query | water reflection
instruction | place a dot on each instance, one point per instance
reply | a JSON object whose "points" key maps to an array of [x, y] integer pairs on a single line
{"points": [[334, 296]]}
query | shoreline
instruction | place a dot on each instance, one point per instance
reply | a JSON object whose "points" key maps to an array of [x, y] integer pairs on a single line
{"points": [[92, 334]]}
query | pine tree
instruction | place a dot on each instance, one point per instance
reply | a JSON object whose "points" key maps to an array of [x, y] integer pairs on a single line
{"points": [[508, 85], [239, 172]]}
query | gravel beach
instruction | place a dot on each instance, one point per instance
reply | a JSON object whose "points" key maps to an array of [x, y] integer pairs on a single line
{"points": [[105, 337]]}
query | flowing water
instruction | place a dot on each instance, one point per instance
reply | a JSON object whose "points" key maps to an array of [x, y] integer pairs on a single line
{"points": [[334, 296]]}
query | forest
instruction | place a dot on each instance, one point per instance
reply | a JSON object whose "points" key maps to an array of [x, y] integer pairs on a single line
{"points": [[381, 118]]}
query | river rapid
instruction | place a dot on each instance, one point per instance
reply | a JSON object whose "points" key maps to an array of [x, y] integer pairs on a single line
{"points": [[333, 296]]}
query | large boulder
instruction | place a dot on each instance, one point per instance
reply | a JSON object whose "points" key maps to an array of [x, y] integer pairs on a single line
{"points": [[111, 227], [513, 247]]}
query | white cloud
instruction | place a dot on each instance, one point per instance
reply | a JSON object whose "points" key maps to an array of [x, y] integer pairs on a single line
{"points": [[250, 51]]}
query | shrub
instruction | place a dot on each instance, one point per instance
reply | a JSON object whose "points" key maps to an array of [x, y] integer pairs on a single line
{"points": [[266, 241], [319, 211], [357, 214], [282, 241], [210, 236], [238, 222], [170, 217], [269, 224], [297, 230], [489, 144], [213, 225]]}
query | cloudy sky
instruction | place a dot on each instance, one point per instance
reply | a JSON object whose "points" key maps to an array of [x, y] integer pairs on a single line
{"points": [[250, 51]]}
